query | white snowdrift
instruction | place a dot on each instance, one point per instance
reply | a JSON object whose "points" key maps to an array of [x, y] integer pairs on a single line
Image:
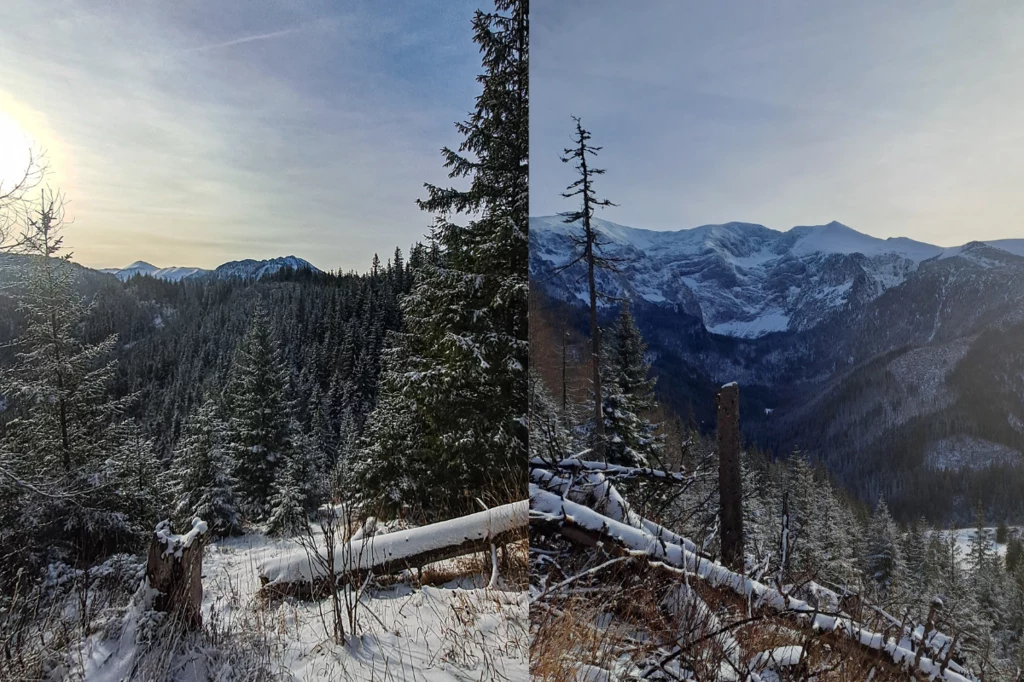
{"points": [[367, 554], [546, 506]]}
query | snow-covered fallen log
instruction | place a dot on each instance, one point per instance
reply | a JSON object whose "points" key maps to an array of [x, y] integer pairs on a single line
{"points": [[580, 523], [593, 490], [578, 463], [298, 573]]}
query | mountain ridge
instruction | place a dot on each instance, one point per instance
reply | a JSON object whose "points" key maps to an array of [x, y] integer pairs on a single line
{"points": [[777, 280], [248, 268], [901, 369]]}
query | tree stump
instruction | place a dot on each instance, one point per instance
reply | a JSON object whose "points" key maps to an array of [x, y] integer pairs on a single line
{"points": [[175, 569], [729, 484]]}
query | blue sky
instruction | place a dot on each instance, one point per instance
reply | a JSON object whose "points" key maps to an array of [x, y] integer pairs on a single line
{"points": [[898, 119], [191, 133]]}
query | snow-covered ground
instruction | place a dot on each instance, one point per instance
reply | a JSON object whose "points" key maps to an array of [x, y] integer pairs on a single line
{"points": [[455, 630], [964, 536]]}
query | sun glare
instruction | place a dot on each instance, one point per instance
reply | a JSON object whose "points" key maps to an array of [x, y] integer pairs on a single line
{"points": [[16, 146]]}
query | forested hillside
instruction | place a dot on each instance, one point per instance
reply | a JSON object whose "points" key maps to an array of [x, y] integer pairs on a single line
{"points": [[348, 440]]}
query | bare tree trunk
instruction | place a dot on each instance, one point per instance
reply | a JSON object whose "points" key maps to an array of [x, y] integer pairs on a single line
{"points": [[729, 483], [595, 349]]}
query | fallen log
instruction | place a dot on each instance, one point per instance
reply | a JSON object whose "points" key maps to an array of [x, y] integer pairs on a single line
{"points": [[551, 513], [303, 575]]}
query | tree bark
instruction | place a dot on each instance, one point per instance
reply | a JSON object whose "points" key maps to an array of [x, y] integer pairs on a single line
{"points": [[729, 483], [178, 578]]}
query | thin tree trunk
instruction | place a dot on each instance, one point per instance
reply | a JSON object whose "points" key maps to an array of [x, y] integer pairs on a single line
{"points": [[729, 483]]}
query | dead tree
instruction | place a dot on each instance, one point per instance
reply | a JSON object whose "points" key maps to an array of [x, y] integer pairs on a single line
{"points": [[587, 250], [729, 484], [175, 569]]}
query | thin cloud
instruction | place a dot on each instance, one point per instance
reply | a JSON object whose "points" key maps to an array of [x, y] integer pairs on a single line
{"points": [[247, 39]]}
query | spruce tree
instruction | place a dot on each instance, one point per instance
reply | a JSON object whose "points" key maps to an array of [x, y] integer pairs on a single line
{"points": [[451, 423], [260, 426], [548, 438], [629, 435], [587, 250], [288, 502], [66, 427], [199, 477], [885, 562]]}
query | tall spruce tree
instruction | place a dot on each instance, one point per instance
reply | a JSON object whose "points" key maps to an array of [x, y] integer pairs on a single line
{"points": [[200, 478], [260, 427], [587, 250], [629, 435], [451, 423]]}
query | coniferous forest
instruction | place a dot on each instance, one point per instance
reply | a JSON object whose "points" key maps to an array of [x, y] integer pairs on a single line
{"points": [[181, 460]]}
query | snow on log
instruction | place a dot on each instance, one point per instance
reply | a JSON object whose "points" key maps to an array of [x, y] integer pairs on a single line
{"points": [[298, 574], [612, 470], [607, 500], [548, 509]]}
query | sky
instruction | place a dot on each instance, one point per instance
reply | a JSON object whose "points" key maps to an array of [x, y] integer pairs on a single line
{"points": [[897, 119], [190, 133]]}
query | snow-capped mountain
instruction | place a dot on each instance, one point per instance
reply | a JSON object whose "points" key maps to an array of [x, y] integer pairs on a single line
{"points": [[741, 279], [141, 267], [246, 269], [254, 269], [888, 359]]}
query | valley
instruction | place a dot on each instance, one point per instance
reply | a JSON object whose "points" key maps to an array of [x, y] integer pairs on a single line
{"points": [[895, 363]]}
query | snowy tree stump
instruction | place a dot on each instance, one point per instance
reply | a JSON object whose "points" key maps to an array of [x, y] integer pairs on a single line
{"points": [[729, 484], [175, 569]]}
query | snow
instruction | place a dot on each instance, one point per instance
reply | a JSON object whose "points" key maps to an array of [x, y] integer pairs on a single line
{"points": [[173, 274], [248, 269], [773, 320], [964, 536], [838, 238], [176, 544], [361, 554], [454, 632], [254, 269], [745, 280], [551, 507]]}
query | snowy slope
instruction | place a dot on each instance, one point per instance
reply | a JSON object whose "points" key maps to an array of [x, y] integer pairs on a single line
{"points": [[743, 279], [173, 274], [453, 632], [254, 269]]}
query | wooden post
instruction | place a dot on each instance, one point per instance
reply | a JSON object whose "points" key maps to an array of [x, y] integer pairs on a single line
{"points": [[175, 569], [730, 490]]}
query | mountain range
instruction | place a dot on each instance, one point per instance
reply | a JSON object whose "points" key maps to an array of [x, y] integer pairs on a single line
{"points": [[896, 363], [246, 269]]}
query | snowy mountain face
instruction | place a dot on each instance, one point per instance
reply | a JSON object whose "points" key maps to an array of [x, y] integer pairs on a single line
{"points": [[889, 359], [254, 269], [246, 269], [742, 280]]}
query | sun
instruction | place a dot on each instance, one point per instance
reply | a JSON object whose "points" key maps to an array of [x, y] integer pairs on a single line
{"points": [[16, 149]]}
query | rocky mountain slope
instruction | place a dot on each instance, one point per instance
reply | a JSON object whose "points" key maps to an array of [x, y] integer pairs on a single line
{"points": [[897, 363]]}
